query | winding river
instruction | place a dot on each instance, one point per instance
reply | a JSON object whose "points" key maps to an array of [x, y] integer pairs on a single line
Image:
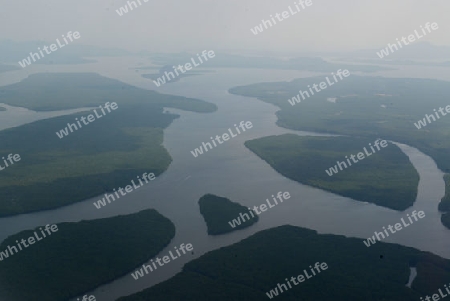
{"points": [[232, 171]]}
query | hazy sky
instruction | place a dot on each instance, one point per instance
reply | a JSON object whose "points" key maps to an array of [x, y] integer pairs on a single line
{"points": [[169, 25]]}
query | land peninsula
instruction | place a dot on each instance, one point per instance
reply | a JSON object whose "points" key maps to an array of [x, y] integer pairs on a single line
{"points": [[253, 266], [95, 159]]}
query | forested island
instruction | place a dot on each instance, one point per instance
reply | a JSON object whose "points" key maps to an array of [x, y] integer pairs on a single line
{"points": [[254, 266], [218, 211], [386, 178], [81, 256], [103, 155]]}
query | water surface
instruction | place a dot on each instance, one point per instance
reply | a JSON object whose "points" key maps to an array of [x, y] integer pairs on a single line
{"points": [[232, 171]]}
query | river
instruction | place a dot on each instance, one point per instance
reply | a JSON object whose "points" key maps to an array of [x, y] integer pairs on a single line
{"points": [[232, 171]]}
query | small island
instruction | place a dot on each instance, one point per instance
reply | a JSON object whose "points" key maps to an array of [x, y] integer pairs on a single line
{"points": [[166, 69], [81, 256], [219, 211], [386, 178]]}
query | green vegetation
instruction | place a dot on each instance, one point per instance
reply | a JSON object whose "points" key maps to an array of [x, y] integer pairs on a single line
{"points": [[81, 256], [101, 156], [94, 159], [444, 205], [445, 220], [359, 110], [254, 266], [218, 211], [369, 107], [445, 202], [386, 178]]}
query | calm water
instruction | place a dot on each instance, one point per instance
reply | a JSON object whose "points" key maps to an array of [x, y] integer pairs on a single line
{"points": [[232, 171]]}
